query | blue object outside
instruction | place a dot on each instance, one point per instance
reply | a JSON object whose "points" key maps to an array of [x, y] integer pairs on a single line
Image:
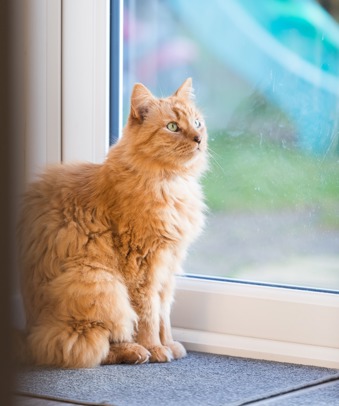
{"points": [[288, 49]]}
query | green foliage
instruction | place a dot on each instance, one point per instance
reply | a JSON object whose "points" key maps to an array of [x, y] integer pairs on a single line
{"points": [[248, 173]]}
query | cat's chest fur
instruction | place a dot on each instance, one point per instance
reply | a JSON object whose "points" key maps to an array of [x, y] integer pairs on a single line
{"points": [[155, 221], [167, 212]]}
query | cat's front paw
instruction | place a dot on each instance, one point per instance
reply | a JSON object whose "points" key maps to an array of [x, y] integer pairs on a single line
{"points": [[160, 353], [178, 350], [126, 353]]}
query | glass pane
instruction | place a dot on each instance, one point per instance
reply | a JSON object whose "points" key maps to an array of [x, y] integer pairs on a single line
{"points": [[266, 75]]}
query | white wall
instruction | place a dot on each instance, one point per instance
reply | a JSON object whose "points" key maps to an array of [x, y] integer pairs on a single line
{"points": [[36, 47], [60, 87], [85, 79]]}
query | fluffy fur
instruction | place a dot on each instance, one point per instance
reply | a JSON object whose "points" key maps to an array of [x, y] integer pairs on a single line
{"points": [[100, 244]]}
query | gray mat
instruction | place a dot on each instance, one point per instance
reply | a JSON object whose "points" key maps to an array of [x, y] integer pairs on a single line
{"points": [[199, 379], [325, 395]]}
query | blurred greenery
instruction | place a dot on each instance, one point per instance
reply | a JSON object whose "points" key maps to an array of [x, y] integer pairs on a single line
{"points": [[252, 174]]}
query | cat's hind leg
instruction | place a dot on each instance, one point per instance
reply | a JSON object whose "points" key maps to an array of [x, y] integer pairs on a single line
{"points": [[85, 311], [66, 345]]}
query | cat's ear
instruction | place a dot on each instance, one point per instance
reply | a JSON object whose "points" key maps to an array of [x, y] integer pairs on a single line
{"points": [[140, 100], [186, 90]]}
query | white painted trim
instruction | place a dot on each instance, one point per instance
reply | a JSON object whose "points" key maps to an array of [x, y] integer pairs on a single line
{"points": [[228, 318], [258, 321], [249, 347], [85, 86], [37, 84], [121, 67], [53, 82]]}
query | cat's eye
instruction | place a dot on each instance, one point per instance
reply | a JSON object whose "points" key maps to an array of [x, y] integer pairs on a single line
{"points": [[197, 124], [172, 126]]}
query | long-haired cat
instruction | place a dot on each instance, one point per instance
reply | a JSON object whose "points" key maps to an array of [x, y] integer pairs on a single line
{"points": [[100, 244]]}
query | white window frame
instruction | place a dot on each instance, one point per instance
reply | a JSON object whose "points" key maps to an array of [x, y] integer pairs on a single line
{"points": [[236, 319], [85, 80], [262, 322], [61, 90], [36, 88]]}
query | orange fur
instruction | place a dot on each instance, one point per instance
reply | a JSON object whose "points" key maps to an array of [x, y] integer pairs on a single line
{"points": [[100, 244]]}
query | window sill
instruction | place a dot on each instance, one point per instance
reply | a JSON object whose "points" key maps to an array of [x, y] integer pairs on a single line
{"points": [[262, 322]]}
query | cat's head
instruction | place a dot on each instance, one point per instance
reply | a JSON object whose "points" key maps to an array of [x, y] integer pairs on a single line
{"points": [[167, 133]]}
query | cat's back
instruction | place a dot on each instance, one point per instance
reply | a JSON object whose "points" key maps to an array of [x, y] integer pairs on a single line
{"points": [[52, 204], [56, 191]]}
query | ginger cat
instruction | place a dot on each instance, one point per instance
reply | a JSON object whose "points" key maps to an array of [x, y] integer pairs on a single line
{"points": [[100, 244]]}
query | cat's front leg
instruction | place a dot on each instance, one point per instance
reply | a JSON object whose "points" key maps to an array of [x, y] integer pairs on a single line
{"points": [[166, 299], [149, 327]]}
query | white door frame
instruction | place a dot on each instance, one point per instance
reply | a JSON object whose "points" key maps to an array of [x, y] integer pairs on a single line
{"points": [[65, 71]]}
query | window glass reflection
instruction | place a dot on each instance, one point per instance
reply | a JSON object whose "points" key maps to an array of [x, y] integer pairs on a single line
{"points": [[266, 75]]}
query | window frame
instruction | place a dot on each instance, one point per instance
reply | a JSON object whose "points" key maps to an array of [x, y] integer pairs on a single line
{"points": [[257, 321], [36, 91], [85, 80], [231, 318]]}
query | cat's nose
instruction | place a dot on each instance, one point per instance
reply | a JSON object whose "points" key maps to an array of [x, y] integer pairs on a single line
{"points": [[197, 139]]}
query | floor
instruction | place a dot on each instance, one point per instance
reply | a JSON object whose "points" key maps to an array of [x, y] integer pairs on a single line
{"points": [[33, 401], [299, 398], [198, 380]]}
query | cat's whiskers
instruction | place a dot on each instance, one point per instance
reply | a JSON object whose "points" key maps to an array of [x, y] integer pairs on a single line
{"points": [[210, 154]]}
